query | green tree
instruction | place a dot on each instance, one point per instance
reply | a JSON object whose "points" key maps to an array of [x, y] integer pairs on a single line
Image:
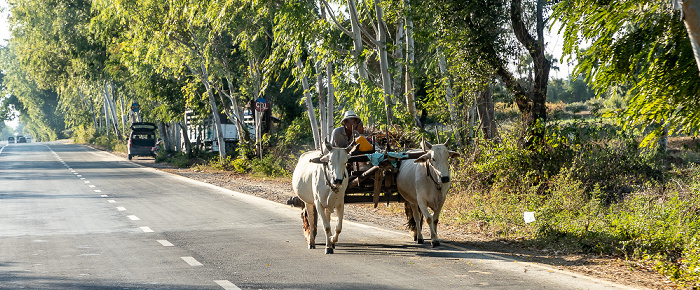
{"points": [[483, 38], [642, 45]]}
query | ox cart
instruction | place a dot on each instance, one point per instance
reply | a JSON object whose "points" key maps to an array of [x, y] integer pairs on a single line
{"points": [[373, 176]]}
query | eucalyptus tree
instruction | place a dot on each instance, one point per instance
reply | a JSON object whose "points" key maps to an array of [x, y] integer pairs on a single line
{"points": [[164, 35], [640, 44], [483, 38], [56, 48]]}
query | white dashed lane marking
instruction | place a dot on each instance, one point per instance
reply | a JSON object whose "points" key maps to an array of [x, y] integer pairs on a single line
{"points": [[165, 243], [227, 285], [192, 261]]}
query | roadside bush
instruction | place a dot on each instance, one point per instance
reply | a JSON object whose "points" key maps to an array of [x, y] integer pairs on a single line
{"points": [[270, 166], [110, 143], [593, 190], [83, 134]]}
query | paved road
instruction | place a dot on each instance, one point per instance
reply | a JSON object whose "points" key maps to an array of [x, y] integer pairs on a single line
{"points": [[75, 218]]}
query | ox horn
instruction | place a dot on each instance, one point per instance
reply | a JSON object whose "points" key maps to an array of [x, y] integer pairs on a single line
{"points": [[446, 141], [327, 145], [351, 148], [425, 144]]}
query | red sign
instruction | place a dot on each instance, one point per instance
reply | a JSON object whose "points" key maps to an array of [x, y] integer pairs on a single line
{"points": [[261, 105]]}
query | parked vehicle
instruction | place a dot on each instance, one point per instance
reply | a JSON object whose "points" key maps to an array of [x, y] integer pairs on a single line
{"points": [[142, 140], [29, 138], [11, 140], [21, 139]]}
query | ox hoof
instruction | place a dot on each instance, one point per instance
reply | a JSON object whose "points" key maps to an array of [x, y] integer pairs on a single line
{"points": [[435, 243], [420, 241], [312, 247], [329, 251]]}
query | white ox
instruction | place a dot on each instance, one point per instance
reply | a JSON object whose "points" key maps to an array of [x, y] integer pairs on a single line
{"points": [[423, 183], [322, 186]]}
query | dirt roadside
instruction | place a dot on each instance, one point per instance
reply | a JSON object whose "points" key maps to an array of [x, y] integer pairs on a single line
{"points": [[613, 269]]}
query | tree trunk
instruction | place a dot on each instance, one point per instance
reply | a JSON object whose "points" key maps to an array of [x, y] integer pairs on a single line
{"points": [[384, 62], [691, 19], [485, 109], [357, 39], [215, 112], [243, 133], [410, 56], [186, 137], [123, 118], [106, 124], [113, 110], [534, 115], [90, 109], [309, 106], [330, 114], [449, 95], [321, 102], [398, 55]]}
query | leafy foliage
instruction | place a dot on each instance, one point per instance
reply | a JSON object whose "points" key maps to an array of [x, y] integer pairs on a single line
{"points": [[638, 44]]}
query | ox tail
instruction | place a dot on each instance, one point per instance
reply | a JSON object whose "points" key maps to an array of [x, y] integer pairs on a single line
{"points": [[307, 226], [411, 223], [305, 222]]}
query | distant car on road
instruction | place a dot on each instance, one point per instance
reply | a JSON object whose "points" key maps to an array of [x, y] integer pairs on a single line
{"points": [[29, 138], [11, 140], [21, 139], [142, 140]]}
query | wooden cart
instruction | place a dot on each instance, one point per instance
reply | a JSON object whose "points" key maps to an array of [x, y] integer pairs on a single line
{"points": [[377, 183]]}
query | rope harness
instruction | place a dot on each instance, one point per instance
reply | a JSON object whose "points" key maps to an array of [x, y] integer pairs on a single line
{"points": [[427, 171], [332, 186]]}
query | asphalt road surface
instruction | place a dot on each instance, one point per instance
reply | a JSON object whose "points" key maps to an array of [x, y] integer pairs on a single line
{"points": [[76, 218]]}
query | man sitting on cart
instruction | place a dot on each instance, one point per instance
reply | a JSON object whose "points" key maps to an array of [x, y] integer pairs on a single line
{"points": [[341, 136]]}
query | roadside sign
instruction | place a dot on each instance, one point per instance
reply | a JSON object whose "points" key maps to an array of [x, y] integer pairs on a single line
{"points": [[135, 107], [261, 105]]}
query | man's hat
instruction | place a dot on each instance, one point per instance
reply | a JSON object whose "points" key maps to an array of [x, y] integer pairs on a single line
{"points": [[350, 114]]}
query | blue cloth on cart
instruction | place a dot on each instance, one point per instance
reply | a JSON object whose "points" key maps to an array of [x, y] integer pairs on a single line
{"points": [[377, 157]]}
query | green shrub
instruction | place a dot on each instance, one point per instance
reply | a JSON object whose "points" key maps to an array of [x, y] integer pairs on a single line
{"points": [[83, 134], [270, 166], [593, 190]]}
